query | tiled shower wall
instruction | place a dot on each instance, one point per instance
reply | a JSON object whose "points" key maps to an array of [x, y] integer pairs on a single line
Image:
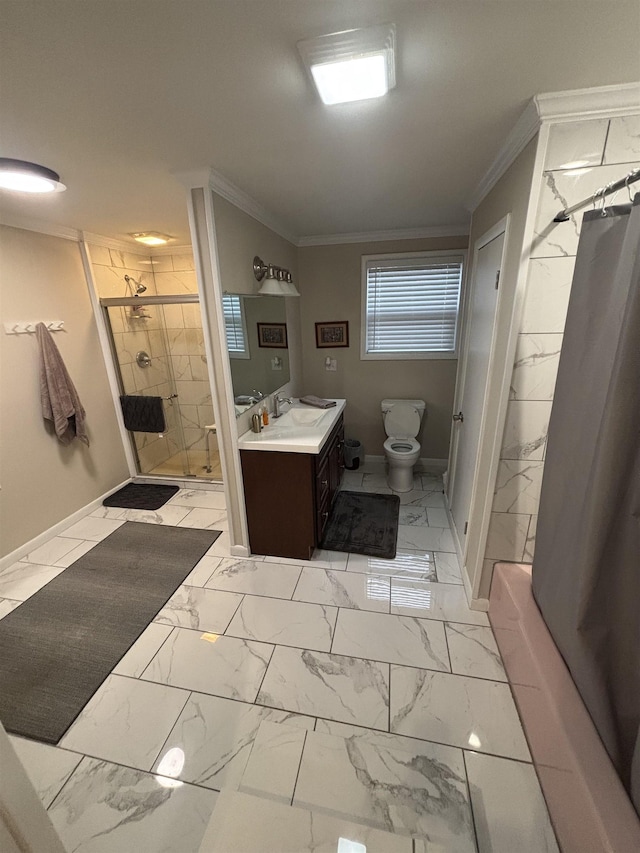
{"points": [[600, 151]]}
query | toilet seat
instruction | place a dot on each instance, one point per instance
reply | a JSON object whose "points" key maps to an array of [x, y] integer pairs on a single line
{"points": [[401, 445]]}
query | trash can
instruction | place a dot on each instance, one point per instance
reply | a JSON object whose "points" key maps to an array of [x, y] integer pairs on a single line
{"points": [[352, 454]]}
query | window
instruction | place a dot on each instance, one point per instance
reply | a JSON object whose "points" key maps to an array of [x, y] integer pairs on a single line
{"points": [[410, 305], [235, 326]]}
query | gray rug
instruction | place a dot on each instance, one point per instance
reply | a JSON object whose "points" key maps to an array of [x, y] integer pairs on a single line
{"points": [[57, 648], [363, 523]]}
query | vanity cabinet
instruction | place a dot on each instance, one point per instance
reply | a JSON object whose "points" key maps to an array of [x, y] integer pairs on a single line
{"points": [[288, 496]]}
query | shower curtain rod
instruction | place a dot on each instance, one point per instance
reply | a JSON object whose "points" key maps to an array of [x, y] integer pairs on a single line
{"points": [[613, 187]]}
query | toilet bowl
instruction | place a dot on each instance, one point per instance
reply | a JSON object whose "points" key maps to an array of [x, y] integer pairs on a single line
{"points": [[402, 419]]}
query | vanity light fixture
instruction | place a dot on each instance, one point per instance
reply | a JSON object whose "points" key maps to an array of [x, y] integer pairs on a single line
{"points": [[151, 238], [275, 280], [22, 176], [353, 65]]}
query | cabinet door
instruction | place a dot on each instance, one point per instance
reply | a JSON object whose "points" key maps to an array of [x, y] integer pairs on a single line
{"points": [[336, 464]]}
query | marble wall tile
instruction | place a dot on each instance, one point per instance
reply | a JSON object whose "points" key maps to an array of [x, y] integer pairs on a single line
{"points": [[100, 255], [192, 316], [198, 366], [623, 142], [162, 263], [255, 577], [575, 144], [530, 544], [130, 260], [344, 589], [173, 316], [547, 297], [194, 393], [172, 283], [474, 652], [421, 498], [136, 660], [535, 367], [200, 609], [272, 768], [507, 536], [183, 261], [525, 430], [288, 623], [518, 486], [47, 767]]}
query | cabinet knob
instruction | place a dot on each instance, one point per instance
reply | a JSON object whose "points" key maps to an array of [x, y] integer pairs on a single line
{"points": [[325, 482]]}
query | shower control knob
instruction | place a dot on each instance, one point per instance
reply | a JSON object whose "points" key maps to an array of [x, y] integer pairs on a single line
{"points": [[459, 417]]}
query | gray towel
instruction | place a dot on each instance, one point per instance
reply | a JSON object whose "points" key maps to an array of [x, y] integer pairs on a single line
{"points": [[58, 396], [318, 402], [143, 414]]}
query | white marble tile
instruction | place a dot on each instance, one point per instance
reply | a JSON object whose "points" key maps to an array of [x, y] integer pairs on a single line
{"points": [[207, 519], [47, 767], [465, 712], [110, 511], [126, 721], [287, 623], [332, 686], [210, 663], [623, 142], [21, 580], [437, 517], [391, 638], [344, 589], [200, 609], [221, 547], [473, 651], [321, 559], [507, 536], [412, 515], [530, 544], [525, 430], [254, 577], [405, 564], [576, 144], [427, 538], [379, 483], [419, 497], [202, 571], [518, 486], [447, 567], [7, 605], [92, 528], [78, 551], [535, 367], [548, 292], [432, 483], [276, 828], [420, 792], [351, 479], [509, 809], [52, 551], [167, 514], [443, 601], [272, 768], [106, 808], [135, 661], [202, 498]]}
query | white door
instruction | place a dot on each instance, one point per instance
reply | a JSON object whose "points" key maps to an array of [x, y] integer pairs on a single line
{"points": [[472, 386]]}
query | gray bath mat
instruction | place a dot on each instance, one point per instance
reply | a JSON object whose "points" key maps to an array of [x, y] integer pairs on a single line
{"points": [[141, 496], [363, 523], [57, 648]]}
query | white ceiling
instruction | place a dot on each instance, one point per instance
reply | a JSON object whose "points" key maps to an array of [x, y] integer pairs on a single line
{"points": [[118, 96]]}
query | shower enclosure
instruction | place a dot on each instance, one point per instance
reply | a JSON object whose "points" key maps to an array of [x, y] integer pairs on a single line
{"points": [[158, 349]]}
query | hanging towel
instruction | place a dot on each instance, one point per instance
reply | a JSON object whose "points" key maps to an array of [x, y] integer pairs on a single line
{"points": [[58, 396], [143, 414], [318, 402]]}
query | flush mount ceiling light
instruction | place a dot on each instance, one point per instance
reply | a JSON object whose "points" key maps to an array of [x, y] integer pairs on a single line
{"points": [[275, 280], [151, 238], [25, 177], [353, 65]]}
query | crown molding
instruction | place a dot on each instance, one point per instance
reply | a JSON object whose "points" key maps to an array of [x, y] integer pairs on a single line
{"points": [[601, 101], [381, 236], [27, 223]]}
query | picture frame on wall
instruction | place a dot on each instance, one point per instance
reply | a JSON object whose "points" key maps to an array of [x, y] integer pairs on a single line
{"points": [[332, 334], [272, 335]]}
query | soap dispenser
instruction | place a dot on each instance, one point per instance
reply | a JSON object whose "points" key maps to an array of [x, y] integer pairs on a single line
{"points": [[265, 416]]}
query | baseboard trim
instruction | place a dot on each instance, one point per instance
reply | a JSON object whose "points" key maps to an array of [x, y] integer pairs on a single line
{"points": [[240, 551], [56, 529]]}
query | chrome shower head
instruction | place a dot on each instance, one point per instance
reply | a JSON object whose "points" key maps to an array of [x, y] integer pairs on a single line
{"points": [[140, 288]]}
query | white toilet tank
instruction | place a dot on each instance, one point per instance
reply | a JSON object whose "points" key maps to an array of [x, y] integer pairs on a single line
{"points": [[402, 418]]}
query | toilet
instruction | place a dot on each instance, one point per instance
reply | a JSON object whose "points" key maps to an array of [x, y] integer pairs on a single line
{"points": [[402, 419]]}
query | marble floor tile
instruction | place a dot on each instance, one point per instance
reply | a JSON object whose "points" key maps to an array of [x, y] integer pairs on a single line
{"points": [[276, 828], [322, 559], [272, 768], [426, 600], [215, 737], [210, 663], [509, 809], [221, 547], [474, 652], [126, 721], [431, 483], [48, 767], [465, 712], [405, 564], [375, 482], [332, 686], [201, 498], [202, 571], [351, 479], [422, 792], [254, 577], [437, 517], [167, 514], [92, 528], [106, 808], [108, 512], [207, 519], [141, 652], [344, 589], [287, 623], [428, 538], [78, 551], [7, 605], [392, 639], [200, 609], [21, 580], [52, 551], [447, 567], [420, 497], [413, 515]]}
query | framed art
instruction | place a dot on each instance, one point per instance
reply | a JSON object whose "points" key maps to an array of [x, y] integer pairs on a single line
{"points": [[272, 335], [332, 334]]}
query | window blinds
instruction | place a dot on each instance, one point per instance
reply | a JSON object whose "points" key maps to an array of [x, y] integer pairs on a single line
{"points": [[412, 304], [234, 327]]}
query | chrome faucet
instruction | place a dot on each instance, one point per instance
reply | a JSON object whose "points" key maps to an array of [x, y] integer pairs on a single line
{"points": [[258, 395], [277, 402]]}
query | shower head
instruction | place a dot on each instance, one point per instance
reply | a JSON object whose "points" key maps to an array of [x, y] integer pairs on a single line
{"points": [[140, 288]]}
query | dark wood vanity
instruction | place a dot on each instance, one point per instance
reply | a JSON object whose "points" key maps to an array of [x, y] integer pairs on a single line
{"points": [[288, 496]]}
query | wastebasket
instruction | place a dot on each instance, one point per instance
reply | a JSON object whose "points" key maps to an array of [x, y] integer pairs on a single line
{"points": [[352, 454]]}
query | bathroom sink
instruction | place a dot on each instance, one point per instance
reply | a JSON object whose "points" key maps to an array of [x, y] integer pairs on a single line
{"points": [[300, 429], [305, 417]]}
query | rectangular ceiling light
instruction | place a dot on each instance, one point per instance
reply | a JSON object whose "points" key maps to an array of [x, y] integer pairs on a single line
{"points": [[352, 65]]}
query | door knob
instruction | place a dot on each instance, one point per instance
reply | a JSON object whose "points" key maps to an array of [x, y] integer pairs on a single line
{"points": [[459, 417]]}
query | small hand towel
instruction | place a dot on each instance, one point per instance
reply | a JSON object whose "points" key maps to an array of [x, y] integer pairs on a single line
{"points": [[318, 402], [143, 414], [58, 396]]}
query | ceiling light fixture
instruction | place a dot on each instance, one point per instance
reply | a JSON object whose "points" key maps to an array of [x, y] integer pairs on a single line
{"points": [[22, 176], [151, 238], [275, 280], [353, 65]]}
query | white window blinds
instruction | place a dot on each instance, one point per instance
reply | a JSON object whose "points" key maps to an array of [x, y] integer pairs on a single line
{"points": [[412, 304], [234, 324]]}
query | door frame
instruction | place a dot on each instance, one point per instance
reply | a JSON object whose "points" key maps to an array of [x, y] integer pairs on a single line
{"points": [[472, 555]]}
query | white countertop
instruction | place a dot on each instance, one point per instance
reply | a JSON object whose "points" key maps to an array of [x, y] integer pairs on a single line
{"points": [[286, 436]]}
